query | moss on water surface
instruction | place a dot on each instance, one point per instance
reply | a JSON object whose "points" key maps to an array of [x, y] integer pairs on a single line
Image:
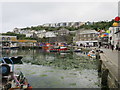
{"points": [[66, 62], [56, 70], [73, 84], [43, 75], [62, 77]]}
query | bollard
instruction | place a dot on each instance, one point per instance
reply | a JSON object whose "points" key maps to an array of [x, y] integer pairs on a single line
{"points": [[99, 66], [104, 78], [97, 56]]}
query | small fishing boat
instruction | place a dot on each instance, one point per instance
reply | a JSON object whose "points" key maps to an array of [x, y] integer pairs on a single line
{"points": [[5, 47], [91, 54], [15, 60], [57, 49], [65, 51], [46, 46], [78, 50], [11, 80]]}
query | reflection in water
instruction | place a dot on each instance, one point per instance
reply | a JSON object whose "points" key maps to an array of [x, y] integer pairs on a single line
{"points": [[57, 70]]}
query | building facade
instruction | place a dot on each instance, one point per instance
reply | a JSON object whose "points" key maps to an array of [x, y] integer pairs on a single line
{"points": [[50, 34], [8, 41], [114, 36], [63, 31], [86, 38], [64, 24]]}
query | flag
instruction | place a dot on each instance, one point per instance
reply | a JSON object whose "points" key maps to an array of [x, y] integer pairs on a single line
{"points": [[104, 34], [107, 31]]}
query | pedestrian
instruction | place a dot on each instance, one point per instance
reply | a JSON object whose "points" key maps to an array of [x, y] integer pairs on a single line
{"points": [[99, 46], [117, 46], [112, 47], [108, 46]]}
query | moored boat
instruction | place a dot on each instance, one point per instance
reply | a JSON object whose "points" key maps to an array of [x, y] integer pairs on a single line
{"points": [[59, 48], [78, 50], [11, 80], [91, 54], [9, 47], [14, 60]]}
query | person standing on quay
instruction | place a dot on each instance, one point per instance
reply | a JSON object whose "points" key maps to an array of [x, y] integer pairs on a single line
{"points": [[117, 46], [112, 47]]}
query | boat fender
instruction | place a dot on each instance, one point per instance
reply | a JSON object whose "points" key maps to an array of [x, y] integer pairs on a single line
{"points": [[29, 87]]}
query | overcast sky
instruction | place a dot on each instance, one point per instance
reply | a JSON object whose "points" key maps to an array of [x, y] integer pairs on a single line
{"points": [[36, 13]]}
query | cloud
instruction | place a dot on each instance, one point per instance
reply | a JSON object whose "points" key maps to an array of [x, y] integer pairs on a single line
{"points": [[27, 14]]}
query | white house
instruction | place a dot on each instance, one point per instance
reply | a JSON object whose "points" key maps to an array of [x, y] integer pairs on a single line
{"points": [[114, 36], [63, 31], [29, 35], [41, 33], [50, 34], [17, 30]]}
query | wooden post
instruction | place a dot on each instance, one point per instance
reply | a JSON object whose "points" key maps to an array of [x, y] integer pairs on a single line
{"points": [[100, 66], [97, 56], [104, 78]]}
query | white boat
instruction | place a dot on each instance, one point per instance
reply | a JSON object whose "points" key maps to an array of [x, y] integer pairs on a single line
{"points": [[91, 54]]}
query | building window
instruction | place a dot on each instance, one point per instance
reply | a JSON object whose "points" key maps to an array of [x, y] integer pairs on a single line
{"points": [[117, 29], [88, 35], [81, 35], [8, 38], [3, 38]]}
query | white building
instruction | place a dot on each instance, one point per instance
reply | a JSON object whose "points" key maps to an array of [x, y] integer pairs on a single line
{"points": [[17, 30], [29, 35], [64, 24], [41, 33], [63, 31], [114, 36], [50, 34], [25, 32]]}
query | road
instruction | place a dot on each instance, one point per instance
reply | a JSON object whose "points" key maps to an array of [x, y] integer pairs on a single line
{"points": [[113, 56], [112, 60]]}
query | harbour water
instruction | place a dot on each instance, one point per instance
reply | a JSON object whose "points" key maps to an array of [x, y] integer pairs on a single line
{"points": [[57, 70]]}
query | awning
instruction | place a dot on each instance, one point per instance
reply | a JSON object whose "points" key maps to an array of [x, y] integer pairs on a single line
{"points": [[32, 41]]}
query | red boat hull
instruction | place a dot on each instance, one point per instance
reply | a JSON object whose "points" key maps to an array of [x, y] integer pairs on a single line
{"points": [[58, 49]]}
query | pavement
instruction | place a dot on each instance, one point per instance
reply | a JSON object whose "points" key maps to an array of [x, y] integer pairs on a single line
{"points": [[113, 56], [112, 60]]}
